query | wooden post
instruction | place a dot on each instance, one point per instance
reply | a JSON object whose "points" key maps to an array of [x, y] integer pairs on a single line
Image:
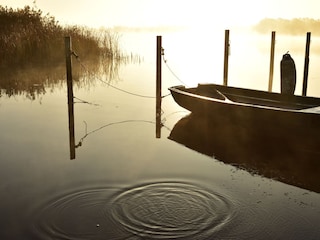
{"points": [[273, 37], [306, 65], [70, 97], [226, 57], [158, 87]]}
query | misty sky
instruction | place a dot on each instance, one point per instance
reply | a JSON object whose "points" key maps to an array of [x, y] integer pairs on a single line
{"points": [[207, 13]]}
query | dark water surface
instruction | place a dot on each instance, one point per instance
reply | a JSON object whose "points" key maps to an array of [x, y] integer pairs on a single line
{"points": [[126, 184]]}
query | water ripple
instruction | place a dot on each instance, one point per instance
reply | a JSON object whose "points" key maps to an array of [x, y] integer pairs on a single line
{"points": [[161, 210], [77, 216], [171, 210]]}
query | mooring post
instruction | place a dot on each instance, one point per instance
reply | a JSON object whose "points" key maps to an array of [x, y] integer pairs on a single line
{"points": [[158, 87], [226, 57], [273, 38], [306, 65], [68, 53]]}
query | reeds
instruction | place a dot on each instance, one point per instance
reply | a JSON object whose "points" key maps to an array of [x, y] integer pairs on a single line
{"points": [[29, 37], [33, 52]]}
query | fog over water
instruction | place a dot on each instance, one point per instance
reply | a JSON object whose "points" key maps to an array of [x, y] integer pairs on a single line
{"points": [[123, 182]]}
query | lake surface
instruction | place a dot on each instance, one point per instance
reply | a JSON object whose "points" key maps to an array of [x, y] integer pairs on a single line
{"points": [[125, 183]]}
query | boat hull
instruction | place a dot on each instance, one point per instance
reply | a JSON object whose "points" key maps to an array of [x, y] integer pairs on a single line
{"points": [[286, 116]]}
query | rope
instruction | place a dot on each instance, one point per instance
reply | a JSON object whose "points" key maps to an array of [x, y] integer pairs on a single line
{"points": [[83, 101], [121, 90], [110, 85], [79, 61], [110, 124], [130, 93], [172, 72], [113, 123]]}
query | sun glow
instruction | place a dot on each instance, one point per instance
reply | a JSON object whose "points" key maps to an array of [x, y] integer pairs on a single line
{"points": [[197, 14]]}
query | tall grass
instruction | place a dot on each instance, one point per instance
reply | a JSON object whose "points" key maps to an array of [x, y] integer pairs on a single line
{"points": [[33, 52], [27, 36]]}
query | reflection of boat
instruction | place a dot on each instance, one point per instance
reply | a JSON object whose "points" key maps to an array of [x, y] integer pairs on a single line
{"points": [[296, 116], [254, 149]]}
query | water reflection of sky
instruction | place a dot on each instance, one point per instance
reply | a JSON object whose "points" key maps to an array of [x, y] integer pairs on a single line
{"points": [[197, 56], [45, 195]]}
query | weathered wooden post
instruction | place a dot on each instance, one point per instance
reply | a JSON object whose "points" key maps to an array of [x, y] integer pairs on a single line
{"points": [[68, 53], [226, 57], [306, 65], [273, 37], [158, 87]]}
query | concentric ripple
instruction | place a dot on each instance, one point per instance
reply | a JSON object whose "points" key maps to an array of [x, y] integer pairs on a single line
{"points": [[172, 210], [162, 210], [77, 216]]}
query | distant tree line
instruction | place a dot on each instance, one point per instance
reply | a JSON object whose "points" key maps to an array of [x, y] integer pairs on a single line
{"points": [[27, 36], [296, 26]]}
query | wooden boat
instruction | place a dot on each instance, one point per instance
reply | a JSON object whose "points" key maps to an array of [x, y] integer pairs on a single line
{"points": [[250, 149], [279, 115], [207, 97]]}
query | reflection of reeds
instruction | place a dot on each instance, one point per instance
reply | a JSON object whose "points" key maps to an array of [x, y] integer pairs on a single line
{"points": [[32, 49], [35, 81], [30, 82]]}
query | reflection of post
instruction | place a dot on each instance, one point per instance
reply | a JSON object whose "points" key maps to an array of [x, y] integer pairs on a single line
{"points": [[158, 88], [273, 37], [226, 57], [306, 65], [70, 98]]}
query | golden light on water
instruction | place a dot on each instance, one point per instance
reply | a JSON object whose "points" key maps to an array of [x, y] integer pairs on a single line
{"points": [[197, 54]]}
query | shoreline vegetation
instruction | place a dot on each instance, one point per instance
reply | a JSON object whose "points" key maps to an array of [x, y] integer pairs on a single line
{"points": [[33, 53], [295, 27], [27, 36]]}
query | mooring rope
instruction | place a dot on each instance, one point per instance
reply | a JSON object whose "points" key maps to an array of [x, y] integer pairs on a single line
{"points": [[128, 92], [86, 102], [170, 69], [121, 90], [110, 124], [110, 85], [113, 123]]}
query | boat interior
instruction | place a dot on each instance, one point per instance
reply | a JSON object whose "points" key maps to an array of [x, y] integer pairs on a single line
{"points": [[255, 97]]}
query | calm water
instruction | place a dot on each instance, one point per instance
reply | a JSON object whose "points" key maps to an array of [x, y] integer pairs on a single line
{"points": [[127, 184]]}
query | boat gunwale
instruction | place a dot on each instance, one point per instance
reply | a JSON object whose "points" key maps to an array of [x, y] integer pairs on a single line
{"points": [[180, 89]]}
